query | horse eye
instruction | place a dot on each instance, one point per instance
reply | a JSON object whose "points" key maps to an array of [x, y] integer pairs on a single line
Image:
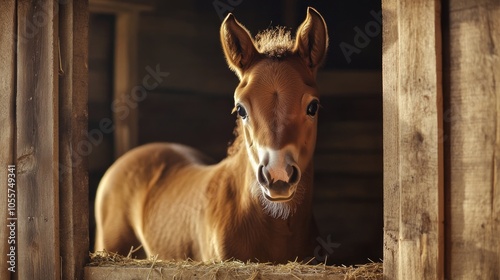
{"points": [[241, 111], [312, 108]]}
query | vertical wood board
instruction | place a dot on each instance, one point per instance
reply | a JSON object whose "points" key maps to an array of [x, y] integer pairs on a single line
{"points": [[73, 190], [392, 186], [413, 155], [7, 118], [473, 123], [37, 140], [126, 92]]}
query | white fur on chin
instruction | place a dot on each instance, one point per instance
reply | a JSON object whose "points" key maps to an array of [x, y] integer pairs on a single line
{"points": [[278, 210]]}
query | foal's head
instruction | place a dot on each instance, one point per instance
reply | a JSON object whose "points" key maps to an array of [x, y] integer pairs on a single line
{"points": [[277, 104]]}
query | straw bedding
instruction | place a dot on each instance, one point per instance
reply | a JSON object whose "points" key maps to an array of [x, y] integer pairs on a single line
{"points": [[241, 270]]}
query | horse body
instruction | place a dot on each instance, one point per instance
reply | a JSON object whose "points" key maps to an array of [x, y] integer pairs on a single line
{"points": [[254, 205]]}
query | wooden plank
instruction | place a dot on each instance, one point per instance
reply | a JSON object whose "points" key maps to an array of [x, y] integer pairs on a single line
{"points": [[421, 166], [331, 188], [8, 26], [73, 191], [125, 68], [345, 136], [340, 83], [114, 6], [125, 79], [37, 140], [421, 153], [183, 125], [414, 157], [350, 108], [130, 273], [348, 162], [390, 68], [473, 131]]}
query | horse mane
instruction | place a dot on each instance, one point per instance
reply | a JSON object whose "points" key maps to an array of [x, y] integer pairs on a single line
{"points": [[275, 42]]}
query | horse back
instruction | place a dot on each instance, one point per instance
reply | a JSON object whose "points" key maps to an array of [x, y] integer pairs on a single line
{"points": [[146, 165], [146, 185]]}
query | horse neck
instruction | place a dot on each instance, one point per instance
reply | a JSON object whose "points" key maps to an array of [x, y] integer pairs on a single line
{"points": [[242, 224]]}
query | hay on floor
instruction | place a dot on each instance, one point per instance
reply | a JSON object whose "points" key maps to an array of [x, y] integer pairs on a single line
{"points": [[236, 269]]}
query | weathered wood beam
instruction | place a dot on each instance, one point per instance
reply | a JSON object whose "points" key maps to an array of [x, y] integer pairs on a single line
{"points": [[413, 146], [73, 119], [37, 140], [472, 120]]}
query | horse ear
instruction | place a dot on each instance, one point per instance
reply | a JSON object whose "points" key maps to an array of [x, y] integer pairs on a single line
{"points": [[312, 39], [237, 44]]}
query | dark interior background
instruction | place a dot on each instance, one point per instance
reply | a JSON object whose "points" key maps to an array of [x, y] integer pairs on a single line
{"points": [[193, 104]]}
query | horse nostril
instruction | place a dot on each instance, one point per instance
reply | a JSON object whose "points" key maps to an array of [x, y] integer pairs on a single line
{"points": [[294, 176], [261, 176]]}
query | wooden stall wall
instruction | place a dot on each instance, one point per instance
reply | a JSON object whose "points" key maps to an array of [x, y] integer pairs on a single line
{"points": [[413, 148], [37, 143], [472, 120], [441, 139], [73, 123], [44, 89], [100, 98], [7, 116]]}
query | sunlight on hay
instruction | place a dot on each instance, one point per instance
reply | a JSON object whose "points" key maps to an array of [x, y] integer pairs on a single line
{"points": [[233, 268]]}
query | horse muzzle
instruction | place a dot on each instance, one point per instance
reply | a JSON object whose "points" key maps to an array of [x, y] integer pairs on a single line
{"points": [[279, 183]]}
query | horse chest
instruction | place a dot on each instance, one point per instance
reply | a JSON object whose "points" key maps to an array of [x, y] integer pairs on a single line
{"points": [[257, 240]]}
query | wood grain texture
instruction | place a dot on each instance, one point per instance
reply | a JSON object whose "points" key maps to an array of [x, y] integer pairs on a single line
{"points": [[37, 141], [390, 67], [421, 149], [473, 123], [7, 115], [73, 165], [414, 209]]}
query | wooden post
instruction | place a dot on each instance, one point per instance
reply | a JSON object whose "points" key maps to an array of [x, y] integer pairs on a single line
{"points": [[391, 139], [37, 140], [7, 118], [472, 119], [73, 163], [125, 106], [413, 148]]}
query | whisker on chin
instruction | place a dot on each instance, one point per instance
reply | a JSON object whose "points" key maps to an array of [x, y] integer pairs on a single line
{"points": [[278, 210]]}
